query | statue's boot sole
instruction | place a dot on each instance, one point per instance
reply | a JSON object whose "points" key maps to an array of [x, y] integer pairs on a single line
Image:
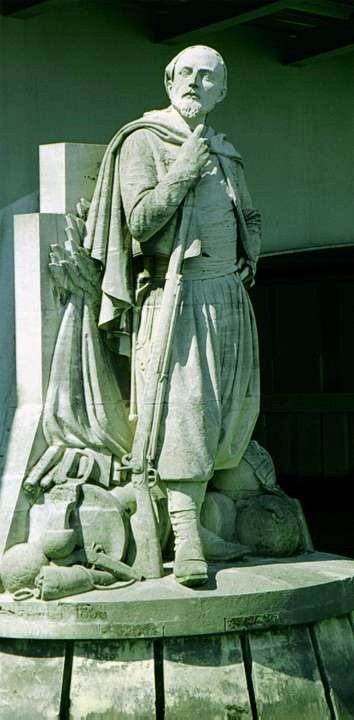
{"points": [[192, 580]]}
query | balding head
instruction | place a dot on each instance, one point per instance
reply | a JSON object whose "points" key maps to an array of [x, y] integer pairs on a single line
{"points": [[196, 80], [196, 51]]}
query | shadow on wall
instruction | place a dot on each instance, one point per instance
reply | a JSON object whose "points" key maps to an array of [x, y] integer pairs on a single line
{"points": [[26, 204]]}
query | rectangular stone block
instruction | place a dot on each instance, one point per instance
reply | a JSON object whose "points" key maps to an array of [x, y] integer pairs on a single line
{"points": [[38, 311], [37, 316], [285, 676], [68, 172], [335, 640], [113, 680], [204, 678], [28, 203], [31, 676]]}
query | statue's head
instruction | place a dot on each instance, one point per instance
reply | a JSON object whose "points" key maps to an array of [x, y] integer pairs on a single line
{"points": [[196, 80]]}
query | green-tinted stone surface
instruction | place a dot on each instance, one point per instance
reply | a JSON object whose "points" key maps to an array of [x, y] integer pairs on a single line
{"points": [[335, 639], [31, 675], [285, 675], [204, 678], [113, 680]]}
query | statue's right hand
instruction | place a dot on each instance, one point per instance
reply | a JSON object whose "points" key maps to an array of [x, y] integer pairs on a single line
{"points": [[195, 150]]}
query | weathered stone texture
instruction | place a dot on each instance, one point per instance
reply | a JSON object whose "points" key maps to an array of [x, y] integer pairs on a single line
{"points": [[30, 679], [113, 680], [68, 171], [204, 678], [335, 640], [285, 675]]}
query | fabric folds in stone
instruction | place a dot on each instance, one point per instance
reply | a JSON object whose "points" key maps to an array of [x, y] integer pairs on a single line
{"points": [[84, 407], [213, 395], [108, 238]]}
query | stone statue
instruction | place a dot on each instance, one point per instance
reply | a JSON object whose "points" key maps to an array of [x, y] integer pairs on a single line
{"points": [[155, 167], [155, 269], [132, 450]]}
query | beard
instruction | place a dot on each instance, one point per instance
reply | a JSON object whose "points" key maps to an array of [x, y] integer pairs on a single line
{"points": [[187, 107]]}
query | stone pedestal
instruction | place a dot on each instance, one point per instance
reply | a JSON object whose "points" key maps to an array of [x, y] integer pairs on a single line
{"points": [[271, 640], [67, 172], [263, 639]]}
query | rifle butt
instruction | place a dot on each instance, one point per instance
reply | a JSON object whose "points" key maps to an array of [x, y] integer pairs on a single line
{"points": [[148, 561]]}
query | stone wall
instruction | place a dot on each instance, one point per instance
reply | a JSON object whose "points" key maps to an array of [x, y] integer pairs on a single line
{"points": [[75, 73]]}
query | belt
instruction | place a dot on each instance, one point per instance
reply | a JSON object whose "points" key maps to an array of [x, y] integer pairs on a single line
{"points": [[157, 266]]}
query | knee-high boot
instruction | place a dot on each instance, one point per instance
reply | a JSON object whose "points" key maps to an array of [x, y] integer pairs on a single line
{"points": [[184, 503]]}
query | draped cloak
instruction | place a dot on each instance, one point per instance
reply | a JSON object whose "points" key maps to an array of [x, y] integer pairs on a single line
{"points": [[84, 406], [108, 237]]}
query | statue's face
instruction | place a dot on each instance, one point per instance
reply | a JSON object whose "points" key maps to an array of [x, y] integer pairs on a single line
{"points": [[198, 82]]}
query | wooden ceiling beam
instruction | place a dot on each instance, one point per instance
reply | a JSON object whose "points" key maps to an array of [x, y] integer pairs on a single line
{"points": [[324, 8], [189, 30], [28, 8], [320, 46]]}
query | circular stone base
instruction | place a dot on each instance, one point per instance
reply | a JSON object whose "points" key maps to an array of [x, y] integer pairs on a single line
{"points": [[239, 596], [267, 639]]}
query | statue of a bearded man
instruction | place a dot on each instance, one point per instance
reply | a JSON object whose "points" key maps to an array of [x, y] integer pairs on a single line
{"points": [[154, 168], [212, 401]]}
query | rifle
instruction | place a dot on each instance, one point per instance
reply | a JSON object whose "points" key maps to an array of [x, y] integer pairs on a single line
{"points": [[141, 461]]}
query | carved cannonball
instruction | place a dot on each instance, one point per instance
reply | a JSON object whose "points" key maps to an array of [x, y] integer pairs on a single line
{"points": [[268, 525], [20, 565]]}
